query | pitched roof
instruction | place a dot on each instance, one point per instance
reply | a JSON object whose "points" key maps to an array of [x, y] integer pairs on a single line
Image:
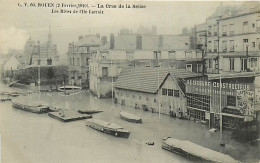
{"points": [[147, 79]]}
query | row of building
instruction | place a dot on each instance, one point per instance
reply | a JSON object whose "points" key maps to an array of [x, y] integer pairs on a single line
{"points": [[205, 74]]}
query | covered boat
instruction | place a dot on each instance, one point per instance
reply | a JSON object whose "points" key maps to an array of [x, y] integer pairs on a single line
{"points": [[194, 151], [130, 117], [34, 108], [108, 128], [89, 111]]}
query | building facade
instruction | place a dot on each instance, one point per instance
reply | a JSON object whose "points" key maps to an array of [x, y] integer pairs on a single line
{"points": [[105, 66], [78, 56], [230, 96], [155, 89]]}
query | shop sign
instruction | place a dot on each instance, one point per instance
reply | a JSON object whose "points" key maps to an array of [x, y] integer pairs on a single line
{"points": [[245, 102]]}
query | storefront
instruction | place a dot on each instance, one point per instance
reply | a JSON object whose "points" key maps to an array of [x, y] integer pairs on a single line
{"points": [[210, 96]]}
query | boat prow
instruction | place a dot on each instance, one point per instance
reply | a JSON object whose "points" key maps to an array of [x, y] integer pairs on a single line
{"points": [[108, 128], [130, 117], [195, 151]]}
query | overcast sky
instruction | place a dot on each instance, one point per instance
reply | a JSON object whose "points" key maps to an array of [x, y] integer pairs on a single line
{"points": [[19, 23]]}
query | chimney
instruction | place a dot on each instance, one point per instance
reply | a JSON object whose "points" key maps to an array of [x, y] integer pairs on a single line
{"points": [[80, 37], [98, 35], [138, 42], [103, 40], [112, 41]]}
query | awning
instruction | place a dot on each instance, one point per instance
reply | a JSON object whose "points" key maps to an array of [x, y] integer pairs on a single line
{"points": [[233, 75]]}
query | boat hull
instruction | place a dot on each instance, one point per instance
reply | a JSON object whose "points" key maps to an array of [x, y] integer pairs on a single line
{"points": [[115, 132], [129, 119], [89, 111], [34, 109]]}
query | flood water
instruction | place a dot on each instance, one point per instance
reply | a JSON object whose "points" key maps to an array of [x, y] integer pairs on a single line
{"points": [[37, 138]]}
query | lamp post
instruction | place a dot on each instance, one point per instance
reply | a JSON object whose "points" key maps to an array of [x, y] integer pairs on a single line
{"points": [[39, 68]]}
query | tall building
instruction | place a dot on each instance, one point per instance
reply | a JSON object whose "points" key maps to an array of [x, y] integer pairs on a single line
{"points": [[78, 56]]}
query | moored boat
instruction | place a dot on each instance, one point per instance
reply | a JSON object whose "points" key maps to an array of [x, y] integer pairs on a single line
{"points": [[108, 128], [89, 111], [69, 88], [34, 108], [130, 117], [194, 151]]}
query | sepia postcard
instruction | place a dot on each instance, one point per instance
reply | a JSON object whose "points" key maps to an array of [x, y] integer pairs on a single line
{"points": [[117, 81]]}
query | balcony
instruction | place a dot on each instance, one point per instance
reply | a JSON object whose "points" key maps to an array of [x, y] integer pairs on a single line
{"points": [[212, 71], [224, 33], [232, 49], [215, 50]]}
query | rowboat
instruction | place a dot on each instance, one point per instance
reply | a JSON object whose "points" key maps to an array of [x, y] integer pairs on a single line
{"points": [[34, 108], [194, 151], [89, 111], [108, 128], [130, 117]]}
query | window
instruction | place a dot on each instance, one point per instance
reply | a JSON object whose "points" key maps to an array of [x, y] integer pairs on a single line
{"points": [[77, 61], [209, 30], [73, 62], [215, 45], [70, 61], [154, 100], [176, 93], [253, 62], [127, 95], [245, 27], [224, 46], [104, 71], [199, 68], [245, 23], [243, 64], [215, 29], [224, 30], [232, 29], [170, 92], [258, 26], [253, 25], [210, 63], [232, 47], [189, 67], [245, 40], [231, 100], [231, 64], [147, 98], [198, 101], [122, 94], [253, 44], [164, 91], [133, 96], [87, 59], [140, 97]]}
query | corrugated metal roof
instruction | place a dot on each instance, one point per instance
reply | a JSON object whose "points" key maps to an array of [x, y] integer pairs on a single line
{"points": [[147, 79]]}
